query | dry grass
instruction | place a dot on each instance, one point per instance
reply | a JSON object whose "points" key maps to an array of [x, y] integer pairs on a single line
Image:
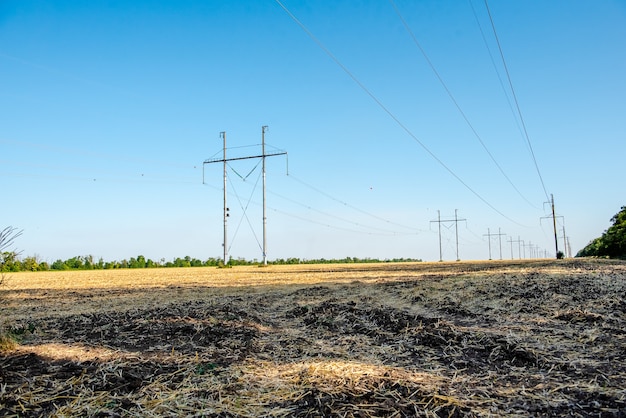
{"points": [[541, 338]]}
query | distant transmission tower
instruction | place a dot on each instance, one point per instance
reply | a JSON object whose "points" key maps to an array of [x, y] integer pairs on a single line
{"points": [[456, 221], [488, 235], [553, 216]]}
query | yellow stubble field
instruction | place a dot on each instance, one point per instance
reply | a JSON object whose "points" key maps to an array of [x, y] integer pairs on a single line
{"points": [[514, 338]]}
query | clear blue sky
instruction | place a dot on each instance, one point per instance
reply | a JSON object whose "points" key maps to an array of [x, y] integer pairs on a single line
{"points": [[108, 110]]}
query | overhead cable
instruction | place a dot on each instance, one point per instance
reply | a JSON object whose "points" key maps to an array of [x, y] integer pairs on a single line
{"points": [[351, 206], [390, 234], [386, 231], [389, 113], [454, 101], [495, 67], [383, 231], [519, 111]]}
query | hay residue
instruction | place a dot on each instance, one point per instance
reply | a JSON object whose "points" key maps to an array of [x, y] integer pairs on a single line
{"points": [[491, 339]]}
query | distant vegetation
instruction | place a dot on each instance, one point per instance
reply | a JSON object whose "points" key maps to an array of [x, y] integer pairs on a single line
{"points": [[12, 263], [7, 236], [612, 243]]}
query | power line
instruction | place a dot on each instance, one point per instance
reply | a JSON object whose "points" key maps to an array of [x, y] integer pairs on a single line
{"points": [[454, 101], [339, 228], [382, 231], [341, 218], [389, 113], [323, 193], [480, 239], [519, 111], [495, 67]]}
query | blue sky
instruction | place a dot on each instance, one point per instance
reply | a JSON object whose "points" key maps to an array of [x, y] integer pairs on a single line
{"points": [[109, 108]]}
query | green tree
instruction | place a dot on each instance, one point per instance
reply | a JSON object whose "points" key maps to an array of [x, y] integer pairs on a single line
{"points": [[75, 263], [60, 265], [612, 243], [132, 263], [182, 262], [212, 262], [9, 263], [88, 263], [30, 264]]}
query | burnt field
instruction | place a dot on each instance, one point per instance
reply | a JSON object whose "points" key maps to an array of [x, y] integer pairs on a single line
{"points": [[525, 338]]}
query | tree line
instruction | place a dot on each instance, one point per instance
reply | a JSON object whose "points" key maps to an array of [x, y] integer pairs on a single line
{"points": [[612, 243], [11, 262]]}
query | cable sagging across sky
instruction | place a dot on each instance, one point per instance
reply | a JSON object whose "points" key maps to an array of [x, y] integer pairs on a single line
{"points": [[454, 101], [519, 111], [391, 114]]}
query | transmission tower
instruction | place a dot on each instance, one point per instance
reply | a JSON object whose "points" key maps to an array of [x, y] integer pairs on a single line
{"points": [[519, 247], [456, 221], [569, 248], [556, 240], [488, 235], [499, 235], [510, 241], [226, 209], [566, 249]]}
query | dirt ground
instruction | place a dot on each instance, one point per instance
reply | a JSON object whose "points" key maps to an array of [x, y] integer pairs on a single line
{"points": [[524, 338]]}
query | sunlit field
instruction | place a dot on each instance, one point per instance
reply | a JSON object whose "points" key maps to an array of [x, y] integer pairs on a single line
{"points": [[514, 338]]}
